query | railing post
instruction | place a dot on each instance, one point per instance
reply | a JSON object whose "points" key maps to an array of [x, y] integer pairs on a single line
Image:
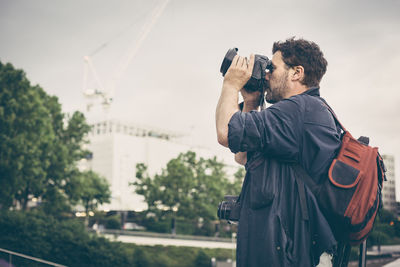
{"points": [[362, 261]]}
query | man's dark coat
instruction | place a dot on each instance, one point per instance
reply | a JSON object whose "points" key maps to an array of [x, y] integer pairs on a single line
{"points": [[273, 230]]}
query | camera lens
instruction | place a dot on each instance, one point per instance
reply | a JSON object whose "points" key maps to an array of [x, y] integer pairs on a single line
{"points": [[226, 63]]}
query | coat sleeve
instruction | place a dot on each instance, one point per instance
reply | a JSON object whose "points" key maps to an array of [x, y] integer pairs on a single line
{"points": [[275, 131]]}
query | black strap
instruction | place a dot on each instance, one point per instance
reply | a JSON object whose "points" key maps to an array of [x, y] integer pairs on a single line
{"points": [[302, 177], [341, 259], [306, 178], [252, 164]]}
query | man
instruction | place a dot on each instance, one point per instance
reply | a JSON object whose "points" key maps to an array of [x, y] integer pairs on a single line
{"points": [[280, 222]]}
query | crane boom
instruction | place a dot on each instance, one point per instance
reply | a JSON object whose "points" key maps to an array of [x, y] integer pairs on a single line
{"points": [[158, 10], [107, 93]]}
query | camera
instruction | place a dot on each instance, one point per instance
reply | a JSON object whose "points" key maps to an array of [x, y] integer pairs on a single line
{"points": [[257, 81], [229, 209]]}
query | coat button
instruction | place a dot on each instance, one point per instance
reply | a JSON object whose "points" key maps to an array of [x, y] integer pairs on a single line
{"points": [[278, 248]]}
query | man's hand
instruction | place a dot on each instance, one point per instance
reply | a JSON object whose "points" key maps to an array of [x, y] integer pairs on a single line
{"points": [[235, 78], [251, 100], [239, 72], [241, 158]]}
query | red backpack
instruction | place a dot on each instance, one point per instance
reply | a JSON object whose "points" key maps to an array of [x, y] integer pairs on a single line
{"points": [[351, 196]]}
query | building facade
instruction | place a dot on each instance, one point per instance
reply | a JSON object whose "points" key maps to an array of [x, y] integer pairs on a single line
{"points": [[117, 147], [389, 186]]}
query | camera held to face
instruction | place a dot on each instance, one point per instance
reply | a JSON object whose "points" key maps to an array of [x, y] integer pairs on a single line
{"points": [[257, 81], [229, 209]]}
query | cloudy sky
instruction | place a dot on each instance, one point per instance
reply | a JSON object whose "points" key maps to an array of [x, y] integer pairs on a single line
{"points": [[173, 80]]}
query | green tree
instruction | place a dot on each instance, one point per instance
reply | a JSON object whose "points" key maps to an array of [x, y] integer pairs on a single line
{"points": [[385, 216], [90, 190], [384, 230], [189, 187], [26, 136], [70, 136], [39, 144]]}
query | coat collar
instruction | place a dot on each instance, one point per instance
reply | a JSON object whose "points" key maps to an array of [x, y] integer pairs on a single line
{"points": [[313, 91]]}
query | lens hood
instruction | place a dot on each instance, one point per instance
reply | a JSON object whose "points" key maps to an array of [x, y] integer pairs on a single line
{"points": [[226, 63]]}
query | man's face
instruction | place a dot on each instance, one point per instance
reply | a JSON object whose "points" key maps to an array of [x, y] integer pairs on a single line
{"points": [[277, 80]]}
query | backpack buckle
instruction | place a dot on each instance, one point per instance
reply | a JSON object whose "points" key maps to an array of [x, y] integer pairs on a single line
{"points": [[363, 140]]}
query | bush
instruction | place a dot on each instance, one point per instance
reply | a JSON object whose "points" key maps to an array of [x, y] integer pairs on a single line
{"points": [[140, 258], [202, 259], [113, 222], [184, 226], [153, 224], [377, 238]]}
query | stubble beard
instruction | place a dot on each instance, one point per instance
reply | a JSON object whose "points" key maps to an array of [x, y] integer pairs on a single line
{"points": [[279, 89]]}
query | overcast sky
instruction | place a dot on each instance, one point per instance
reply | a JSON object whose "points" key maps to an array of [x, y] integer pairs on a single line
{"points": [[173, 82]]}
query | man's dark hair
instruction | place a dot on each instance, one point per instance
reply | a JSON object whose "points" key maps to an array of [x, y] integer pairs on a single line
{"points": [[304, 53]]}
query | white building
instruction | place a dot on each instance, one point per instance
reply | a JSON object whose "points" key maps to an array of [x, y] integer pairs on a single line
{"points": [[389, 186], [117, 147]]}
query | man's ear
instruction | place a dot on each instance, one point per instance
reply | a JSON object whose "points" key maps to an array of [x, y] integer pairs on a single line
{"points": [[298, 73]]}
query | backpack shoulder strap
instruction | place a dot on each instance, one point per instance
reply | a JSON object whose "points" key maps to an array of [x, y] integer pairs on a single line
{"points": [[305, 177], [333, 114]]}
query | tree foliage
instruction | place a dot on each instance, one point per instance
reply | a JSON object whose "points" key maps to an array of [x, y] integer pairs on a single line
{"points": [[384, 230], [188, 187], [88, 189], [67, 242], [39, 145], [64, 242], [202, 259]]}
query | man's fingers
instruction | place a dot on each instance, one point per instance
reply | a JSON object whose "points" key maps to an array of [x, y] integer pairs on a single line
{"points": [[235, 60], [240, 62], [251, 63], [245, 63]]}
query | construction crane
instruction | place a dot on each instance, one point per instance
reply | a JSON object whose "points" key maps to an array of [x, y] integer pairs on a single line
{"points": [[106, 93]]}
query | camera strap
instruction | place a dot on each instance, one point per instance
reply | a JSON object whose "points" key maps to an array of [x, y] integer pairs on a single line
{"points": [[262, 100]]}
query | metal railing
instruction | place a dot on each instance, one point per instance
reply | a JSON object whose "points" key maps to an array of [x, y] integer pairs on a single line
{"points": [[12, 253], [162, 235]]}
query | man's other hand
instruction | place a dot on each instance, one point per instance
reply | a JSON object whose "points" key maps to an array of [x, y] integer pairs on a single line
{"points": [[251, 99]]}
